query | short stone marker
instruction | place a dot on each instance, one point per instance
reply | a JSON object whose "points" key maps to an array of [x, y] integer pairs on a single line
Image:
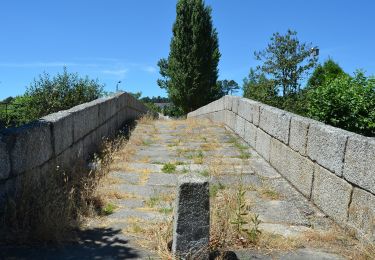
{"points": [[191, 230]]}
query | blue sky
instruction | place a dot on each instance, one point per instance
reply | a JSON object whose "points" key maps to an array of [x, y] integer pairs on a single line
{"points": [[116, 40]]}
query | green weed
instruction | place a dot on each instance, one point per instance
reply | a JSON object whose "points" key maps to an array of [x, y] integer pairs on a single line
{"points": [[108, 209], [166, 210], [169, 168], [152, 201]]}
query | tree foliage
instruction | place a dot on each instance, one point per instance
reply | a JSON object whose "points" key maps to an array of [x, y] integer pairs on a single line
{"points": [[258, 87], [324, 74], [287, 61], [345, 102], [190, 73], [228, 86], [48, 94]]}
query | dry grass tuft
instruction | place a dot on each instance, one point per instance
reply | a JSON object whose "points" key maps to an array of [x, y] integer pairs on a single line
{"points": [[269, 193], [147, 119], [274, 242], [48, 207], [154, 236]]}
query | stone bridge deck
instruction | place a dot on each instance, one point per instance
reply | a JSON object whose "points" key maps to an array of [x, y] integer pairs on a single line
{"points": [[142, 183]]}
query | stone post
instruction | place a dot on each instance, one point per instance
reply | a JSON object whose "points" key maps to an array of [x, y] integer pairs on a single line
{"points": [[191, 230]]}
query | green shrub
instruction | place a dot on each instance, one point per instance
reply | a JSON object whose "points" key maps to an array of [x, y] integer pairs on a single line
{"points": [[48, 95], [345, 102]]}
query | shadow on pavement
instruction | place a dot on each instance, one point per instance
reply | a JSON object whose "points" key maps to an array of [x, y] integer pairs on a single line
{"points": [[98, 243]]}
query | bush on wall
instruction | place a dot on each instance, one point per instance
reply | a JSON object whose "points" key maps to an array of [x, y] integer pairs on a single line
{"points": [[48, 95], [346, 102]]}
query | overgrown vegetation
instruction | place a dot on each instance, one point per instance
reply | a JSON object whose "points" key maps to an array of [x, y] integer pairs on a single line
{"points": [[47, 95], [345, 102], [50, 207]]}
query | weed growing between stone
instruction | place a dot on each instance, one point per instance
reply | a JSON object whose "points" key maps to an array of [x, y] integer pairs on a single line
{"points": [[169, 168], [108, 209], [245, 235]]}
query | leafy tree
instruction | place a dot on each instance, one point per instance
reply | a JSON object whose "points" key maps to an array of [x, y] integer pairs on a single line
{"points": [[228, 86], [258, 87], [286, 61], [190, 73], [48, 94], [345, 102], [324, 73]]}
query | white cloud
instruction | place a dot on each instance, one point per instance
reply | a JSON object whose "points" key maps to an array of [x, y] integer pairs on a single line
{"points": [[149, 69], [115, 72]]}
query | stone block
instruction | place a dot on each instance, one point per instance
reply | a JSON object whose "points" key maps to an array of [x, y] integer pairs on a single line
{"points": [[362, 213], [331, 194], [191, 229], [263, 144], [244, 110], [71, 157], [250, 134], [235, 102], [91, 144], [240, 126], [62, 130], [278, 156], [275, 122], [103, 131], [115, 99], [122, 117], [106, 110], [113, 126], [230, 119], [122, 100], [298, 170], [228, 102], [218, 105], [325, 145], [298, 133], [248, 109], [85, 118], [30, 145], [4, 160], [256, 112], [359, 166]]}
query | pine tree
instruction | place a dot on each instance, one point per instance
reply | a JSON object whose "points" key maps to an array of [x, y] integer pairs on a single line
{"points": [[190, 72]]}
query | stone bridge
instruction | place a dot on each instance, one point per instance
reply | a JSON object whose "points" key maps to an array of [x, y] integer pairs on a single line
{"points": [[296, 172]]}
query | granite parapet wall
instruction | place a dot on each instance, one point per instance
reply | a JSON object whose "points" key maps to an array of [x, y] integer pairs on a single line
{"points": [[333, 168], [62, 138]]}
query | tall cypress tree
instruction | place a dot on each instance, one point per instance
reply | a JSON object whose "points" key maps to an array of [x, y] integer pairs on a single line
{"points": [[190, 72]]}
